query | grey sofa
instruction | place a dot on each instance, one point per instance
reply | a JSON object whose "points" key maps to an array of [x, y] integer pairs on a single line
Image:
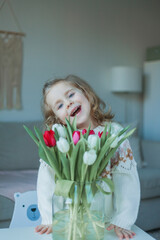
{"points": [[149, 212], [19, 163]]}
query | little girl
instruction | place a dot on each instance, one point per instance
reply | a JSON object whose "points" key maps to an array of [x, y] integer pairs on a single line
{"points": [[64, 98]]}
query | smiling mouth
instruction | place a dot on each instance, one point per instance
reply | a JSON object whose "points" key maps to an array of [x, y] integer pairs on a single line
{"points": [[75, 111]]}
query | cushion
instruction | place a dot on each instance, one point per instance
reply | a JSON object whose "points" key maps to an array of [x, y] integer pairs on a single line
{"points": [[17, 149], [17, 181], [151, 152], [150, 182]]}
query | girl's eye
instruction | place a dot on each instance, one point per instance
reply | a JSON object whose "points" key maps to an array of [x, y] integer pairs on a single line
{"points": [[60, 106], [71, 95]]}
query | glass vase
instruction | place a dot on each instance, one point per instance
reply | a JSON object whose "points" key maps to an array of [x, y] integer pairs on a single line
{"points": [[80, 216]]}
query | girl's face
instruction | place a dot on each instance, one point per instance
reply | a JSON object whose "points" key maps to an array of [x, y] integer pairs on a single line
{"points": [[66, 100]]}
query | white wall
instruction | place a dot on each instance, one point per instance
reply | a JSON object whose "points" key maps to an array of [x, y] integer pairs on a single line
{"points": [[83, 37]]}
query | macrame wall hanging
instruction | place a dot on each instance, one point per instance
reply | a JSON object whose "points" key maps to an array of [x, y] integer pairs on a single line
{"points": [[11, 51]]}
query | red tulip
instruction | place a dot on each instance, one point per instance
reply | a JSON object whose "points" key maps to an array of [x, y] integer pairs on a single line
{"points": [[49, 139], [91, 132], [76, 137], [100, 134], [84, 131]]}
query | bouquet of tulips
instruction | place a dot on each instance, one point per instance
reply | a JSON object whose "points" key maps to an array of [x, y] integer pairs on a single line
{"points": [[78, 158]]}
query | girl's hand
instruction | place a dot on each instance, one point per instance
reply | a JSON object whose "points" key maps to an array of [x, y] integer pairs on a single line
{"points": [[121, 232], [41, 229]]}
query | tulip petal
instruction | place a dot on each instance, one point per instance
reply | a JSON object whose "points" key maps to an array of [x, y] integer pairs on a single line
{"points": [[76, 137]]}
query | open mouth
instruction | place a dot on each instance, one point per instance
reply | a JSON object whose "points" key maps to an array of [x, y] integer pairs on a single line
{"points": [[75, 111]]}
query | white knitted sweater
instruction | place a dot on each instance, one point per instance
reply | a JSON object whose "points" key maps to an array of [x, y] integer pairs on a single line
{"points": [[121, 207]]}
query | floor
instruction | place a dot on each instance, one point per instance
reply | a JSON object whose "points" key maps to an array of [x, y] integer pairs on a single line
{"points": [[155, 234]]}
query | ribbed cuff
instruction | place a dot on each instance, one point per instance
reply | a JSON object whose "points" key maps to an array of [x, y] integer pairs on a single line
{"points": [[122, 223], [46, 222]]}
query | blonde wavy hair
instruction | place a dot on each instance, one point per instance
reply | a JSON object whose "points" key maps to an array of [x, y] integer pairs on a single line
{"points": [[98, 113]]}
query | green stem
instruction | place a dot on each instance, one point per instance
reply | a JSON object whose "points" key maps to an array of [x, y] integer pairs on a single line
{"points": [[82, 223], [75, 218], [83, 177], [94, 225], [70, 223]]}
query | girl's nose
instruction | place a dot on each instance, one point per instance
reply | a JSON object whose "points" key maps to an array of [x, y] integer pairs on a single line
{"points": [[69, 104]]}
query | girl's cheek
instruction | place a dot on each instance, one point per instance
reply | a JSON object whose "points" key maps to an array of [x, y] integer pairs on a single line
{"points": [[65, 115], [78, 97]]}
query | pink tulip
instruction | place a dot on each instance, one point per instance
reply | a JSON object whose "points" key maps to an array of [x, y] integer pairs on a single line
{"points": [[76, 137]]}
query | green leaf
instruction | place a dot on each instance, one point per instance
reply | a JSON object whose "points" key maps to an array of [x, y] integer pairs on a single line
{"points": [[109, 131], [103, 151], [103, 137], [42, 154], [56, 134], [52, 151], [94, 187], [80, 159], [125, 137], [102, 190], [74, 123], [73, 160], [64, 188], [67, 134], [98, 145], [84, 169], [123, 130], [109, 182], [65, 164], [58, 160], [130, 133], [69, 127], [112, 151], [31, 135], [103, 165]]}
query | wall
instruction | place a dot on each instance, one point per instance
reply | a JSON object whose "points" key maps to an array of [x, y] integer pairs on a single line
{"points": [[83, 37], [151, 116]]}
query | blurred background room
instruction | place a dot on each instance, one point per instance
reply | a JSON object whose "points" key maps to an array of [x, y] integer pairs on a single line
{"points": [[113, 45]]}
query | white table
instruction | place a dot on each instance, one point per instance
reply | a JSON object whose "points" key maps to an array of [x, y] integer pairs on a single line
{"points": [[29, 234]]}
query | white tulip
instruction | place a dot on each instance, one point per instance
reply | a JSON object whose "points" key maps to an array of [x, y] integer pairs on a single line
{"points": [[115, 142], [60, 129], [63, 145], [89, 157], [92, 141]]}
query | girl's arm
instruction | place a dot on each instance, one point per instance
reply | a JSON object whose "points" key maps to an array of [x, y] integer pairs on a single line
{"points": [[45, 190], [127, 187]]}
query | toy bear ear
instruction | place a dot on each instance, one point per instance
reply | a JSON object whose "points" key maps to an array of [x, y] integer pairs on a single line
{"points": [[17, 194]]}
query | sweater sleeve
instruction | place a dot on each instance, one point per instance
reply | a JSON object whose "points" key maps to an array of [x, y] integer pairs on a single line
{"points": [[127, 187], [45, 190]]}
